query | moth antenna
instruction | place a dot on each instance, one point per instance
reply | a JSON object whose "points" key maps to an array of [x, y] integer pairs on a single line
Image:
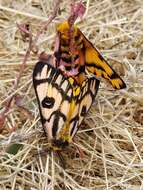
{"points": [[62, 160]]}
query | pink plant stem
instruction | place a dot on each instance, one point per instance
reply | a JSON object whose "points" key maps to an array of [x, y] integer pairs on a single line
{"points": [[45, 25], [5, 111]]}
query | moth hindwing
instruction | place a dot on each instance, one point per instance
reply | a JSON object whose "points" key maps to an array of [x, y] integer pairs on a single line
{"points": [[85, 56], [62, 102]]}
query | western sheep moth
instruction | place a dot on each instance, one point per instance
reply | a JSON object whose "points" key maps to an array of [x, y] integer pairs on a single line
{"points": [[63, 102], [83, 57]]}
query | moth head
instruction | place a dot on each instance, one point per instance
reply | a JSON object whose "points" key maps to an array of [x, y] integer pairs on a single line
{"points": [[59, 144], [64, 28]]}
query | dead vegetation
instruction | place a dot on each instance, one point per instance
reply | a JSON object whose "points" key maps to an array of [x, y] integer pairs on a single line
{"points": [[110, 137]]}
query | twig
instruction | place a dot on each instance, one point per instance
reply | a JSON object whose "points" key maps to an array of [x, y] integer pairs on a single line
{"points": [[45, 25], [32, 43], [7, 107], [77, 10]]}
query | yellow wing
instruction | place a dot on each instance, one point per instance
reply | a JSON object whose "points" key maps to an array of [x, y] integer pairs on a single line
{"points": [[85, 56], [83, 97], [96, 64]]}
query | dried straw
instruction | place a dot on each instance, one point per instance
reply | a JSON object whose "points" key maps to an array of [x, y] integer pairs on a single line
{"points": [[110, 137]]}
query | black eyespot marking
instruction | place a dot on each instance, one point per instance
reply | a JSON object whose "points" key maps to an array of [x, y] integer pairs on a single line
{"points": [[83, 111], [48, 102]]}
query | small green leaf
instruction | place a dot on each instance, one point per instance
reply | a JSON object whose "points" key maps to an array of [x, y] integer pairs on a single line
{"points": [[14, 148]]}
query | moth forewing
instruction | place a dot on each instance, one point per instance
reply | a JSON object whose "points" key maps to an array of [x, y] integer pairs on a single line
{"points": [[96, 64], [84, 55], [54, 95], [85, 99], [89, 93]]}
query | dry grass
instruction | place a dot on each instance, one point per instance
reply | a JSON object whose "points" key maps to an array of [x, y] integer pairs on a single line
{"points": [[111, 136]]}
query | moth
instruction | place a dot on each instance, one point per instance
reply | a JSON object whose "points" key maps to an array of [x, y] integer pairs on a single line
{"points": [[82, 57], [63, 102]]}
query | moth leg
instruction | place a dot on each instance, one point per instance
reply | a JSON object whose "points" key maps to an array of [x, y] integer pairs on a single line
{"points": [[61, 158], [79, 150]]}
